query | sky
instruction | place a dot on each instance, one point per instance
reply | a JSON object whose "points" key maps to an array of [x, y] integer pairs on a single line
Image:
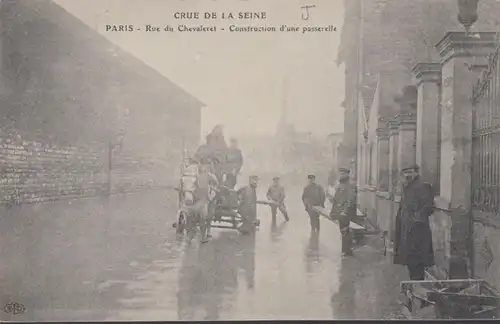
{"points": [[239, 76]]}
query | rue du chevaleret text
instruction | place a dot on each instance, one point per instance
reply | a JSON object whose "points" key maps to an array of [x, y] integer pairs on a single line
{"points": [[213, 16]]}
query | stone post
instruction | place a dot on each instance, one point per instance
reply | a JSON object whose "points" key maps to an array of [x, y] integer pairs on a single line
{"points": [[393, 155], [461, 55], [407, 139], [383, 159], [428, 77]]}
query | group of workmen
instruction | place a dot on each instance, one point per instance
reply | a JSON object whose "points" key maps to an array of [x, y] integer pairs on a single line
{"points": [[412, 237], [225, 164], [341, 194]]}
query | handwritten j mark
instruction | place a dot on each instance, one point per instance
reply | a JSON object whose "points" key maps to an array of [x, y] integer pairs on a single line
{"points": [[305, 13]]}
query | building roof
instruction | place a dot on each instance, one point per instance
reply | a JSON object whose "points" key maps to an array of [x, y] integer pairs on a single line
{"points": [[101, 47]]}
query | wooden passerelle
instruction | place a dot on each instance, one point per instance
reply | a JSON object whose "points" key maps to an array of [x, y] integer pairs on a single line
{"points": [[451, 299]]}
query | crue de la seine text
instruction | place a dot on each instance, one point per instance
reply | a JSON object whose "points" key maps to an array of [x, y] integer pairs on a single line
{"points": [[242, 15]]}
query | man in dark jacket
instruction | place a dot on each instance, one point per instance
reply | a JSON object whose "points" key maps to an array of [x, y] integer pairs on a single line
{"points": [[214, 151], [344, 208], [413, 237], [234, 163], [313, 195], [247, 197]]}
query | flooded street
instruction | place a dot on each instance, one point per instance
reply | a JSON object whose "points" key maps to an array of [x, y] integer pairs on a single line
{"points": [[120, 259]]}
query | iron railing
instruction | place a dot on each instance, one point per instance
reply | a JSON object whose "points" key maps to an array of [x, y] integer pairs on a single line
{"points": [[486, 138]]}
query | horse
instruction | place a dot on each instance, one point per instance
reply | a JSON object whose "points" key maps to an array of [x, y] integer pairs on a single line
{"points": [[195, 206]]}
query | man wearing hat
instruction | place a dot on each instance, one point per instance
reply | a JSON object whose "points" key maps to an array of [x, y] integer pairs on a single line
{"points": [[234, 163], [313, 195], [413, 238], [247, 197], [344, 208], [276, 193]]}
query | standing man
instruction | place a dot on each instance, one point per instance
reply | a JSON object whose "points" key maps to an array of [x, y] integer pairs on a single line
{"points": [[276, 193], [205, 195], [234, 163], [344, 208], [413, 239], [247, 197], [216, 151], [313, 195]]}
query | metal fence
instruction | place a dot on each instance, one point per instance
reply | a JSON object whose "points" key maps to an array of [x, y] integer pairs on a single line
{"points": [[486, 138]]}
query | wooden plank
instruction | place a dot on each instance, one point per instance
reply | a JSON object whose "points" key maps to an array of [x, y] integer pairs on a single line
{"points": [[442, 282], [464, 299], [449, 286], [326, 213], [266, 202], [221, 226]]}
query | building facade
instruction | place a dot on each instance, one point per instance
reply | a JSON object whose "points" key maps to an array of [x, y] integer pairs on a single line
{"points": [[78, 112], [412, 101]]}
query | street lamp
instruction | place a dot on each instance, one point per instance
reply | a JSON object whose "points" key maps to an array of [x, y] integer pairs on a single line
{"points": [[467, 13]]}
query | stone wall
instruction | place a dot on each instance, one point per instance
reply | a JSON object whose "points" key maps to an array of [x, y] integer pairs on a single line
{"points": [[384, 211], [33, 172], [440, 222], [487, 248]]}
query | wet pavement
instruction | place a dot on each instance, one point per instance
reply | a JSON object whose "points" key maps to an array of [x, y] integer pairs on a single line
{"points": [[120, 259]]}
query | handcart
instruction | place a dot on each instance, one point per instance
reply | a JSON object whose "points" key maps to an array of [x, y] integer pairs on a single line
{"points": [[226, 213]]}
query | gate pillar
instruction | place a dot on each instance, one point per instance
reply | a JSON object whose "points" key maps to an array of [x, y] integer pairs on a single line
{"points": [[460, 54], [428, 77]]}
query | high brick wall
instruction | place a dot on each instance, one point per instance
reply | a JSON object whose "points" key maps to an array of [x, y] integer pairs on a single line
{"points": [[31, 171], [64, 85], [129, 173]]}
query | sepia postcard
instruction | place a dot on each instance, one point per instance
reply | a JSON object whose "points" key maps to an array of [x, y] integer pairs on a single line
{"points": [[191, 160]]}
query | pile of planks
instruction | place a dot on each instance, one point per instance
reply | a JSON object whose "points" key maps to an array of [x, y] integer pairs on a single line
{"points": [[451, 299]]}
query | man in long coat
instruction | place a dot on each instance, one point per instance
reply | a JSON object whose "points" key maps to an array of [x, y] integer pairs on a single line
{"points": [[247, 197], [313, 195], [344, 208], [234, 163], [413, 237]]}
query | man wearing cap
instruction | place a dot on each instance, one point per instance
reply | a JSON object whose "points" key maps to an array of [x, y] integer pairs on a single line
{"points": [[276, 193], [344, 208], [413, 237], [247, 198], [234, 163], [313, 195]]}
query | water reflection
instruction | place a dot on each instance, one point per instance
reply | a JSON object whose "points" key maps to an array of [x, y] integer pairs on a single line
{"points": [[247, 260], [277, 231], [312, 255], [209, 273], [344, 301]]}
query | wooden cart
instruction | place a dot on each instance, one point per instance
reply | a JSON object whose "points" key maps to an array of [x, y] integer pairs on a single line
{"points": [[226, 211], [451, 299]]}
